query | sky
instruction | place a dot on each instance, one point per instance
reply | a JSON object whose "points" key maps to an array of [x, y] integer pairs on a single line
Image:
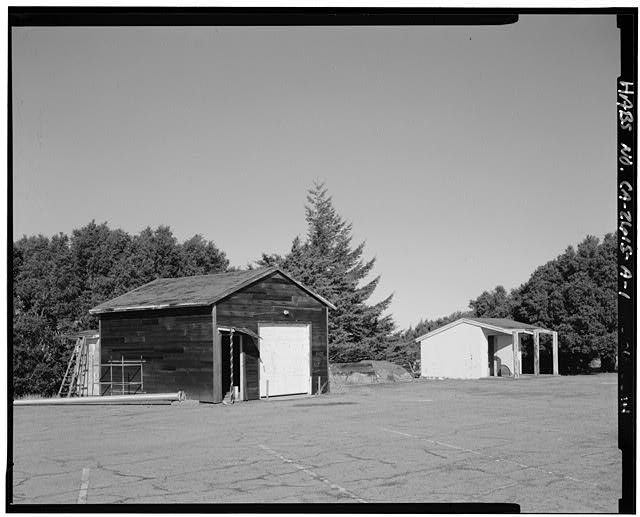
{"points": [[464, 157]]}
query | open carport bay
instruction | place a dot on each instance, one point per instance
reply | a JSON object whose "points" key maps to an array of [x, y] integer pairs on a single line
{"points": [[548, 444]]}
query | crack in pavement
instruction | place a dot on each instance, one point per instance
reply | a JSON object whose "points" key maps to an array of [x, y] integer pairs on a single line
{"points": [[435, 454], [137, 498], [120, 474], [489, 456], [55, 494], [307, 470], [362, 458]]}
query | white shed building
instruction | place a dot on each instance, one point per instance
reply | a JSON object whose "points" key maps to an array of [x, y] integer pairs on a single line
{"points": [[471, 348]]}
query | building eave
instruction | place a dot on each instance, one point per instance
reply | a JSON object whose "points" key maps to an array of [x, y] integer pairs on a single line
{"points": [[484, 325]]}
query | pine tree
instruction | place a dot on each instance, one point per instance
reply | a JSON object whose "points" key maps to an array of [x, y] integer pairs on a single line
{"points": [[326, 263]]}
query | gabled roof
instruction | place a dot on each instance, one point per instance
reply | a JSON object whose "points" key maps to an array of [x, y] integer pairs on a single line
{"points": [[192, 291], [504, 325]]}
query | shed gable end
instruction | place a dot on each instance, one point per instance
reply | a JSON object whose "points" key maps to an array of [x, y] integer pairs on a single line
{"points": [[272, 290]]}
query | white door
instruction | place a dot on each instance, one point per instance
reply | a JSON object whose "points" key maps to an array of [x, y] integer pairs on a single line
{"points": [[284, 359]]}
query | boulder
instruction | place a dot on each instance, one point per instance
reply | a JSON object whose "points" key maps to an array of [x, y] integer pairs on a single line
{"points": [[367, 372]]}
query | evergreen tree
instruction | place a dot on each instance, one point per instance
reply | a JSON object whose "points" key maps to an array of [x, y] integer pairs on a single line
{"points": [[327, 263]]}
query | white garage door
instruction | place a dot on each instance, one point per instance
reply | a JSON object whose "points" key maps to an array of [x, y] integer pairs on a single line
{"points": [[284, 359]]}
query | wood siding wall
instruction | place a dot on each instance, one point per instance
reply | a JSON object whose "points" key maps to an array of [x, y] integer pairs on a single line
{"points": [[177, 345], [264, 303]]}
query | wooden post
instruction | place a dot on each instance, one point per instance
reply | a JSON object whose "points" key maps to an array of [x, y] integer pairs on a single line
{"points": [[231, 382], [243, 386], [122, 359], [536, 352], [555, 354], [99, 345], [217, 359], [326, 356], [516, 354]]}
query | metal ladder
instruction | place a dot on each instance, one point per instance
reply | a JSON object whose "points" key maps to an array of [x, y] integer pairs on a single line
{"points": [[74, 380]]}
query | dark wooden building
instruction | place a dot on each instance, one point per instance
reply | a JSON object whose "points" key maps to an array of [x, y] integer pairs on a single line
{"points": [[194, 333]]}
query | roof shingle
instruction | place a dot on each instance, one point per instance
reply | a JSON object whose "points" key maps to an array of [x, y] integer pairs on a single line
{"points": [[188, 291]]}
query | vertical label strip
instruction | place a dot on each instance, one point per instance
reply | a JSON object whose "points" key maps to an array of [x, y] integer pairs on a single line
{"points": [[626, 107]]}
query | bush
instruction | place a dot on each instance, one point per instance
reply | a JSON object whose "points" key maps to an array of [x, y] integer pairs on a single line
{"points": [[40, 356]]}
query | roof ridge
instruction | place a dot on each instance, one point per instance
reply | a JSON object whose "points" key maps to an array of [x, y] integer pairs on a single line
{"points": [[213, 274]]}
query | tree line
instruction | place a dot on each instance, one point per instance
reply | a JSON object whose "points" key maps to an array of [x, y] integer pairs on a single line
{"points": [[57, 279], [574, 294]]}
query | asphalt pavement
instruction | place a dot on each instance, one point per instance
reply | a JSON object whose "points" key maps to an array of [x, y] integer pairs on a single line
{"points": [[548, 444]]}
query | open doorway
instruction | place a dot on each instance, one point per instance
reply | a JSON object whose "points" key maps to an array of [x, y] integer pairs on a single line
{"points": [[226, 362], [526, 349], [546, 353]]}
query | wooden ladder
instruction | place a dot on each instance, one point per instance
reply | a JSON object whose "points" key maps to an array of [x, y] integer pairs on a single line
{"points": [[74, 380]]}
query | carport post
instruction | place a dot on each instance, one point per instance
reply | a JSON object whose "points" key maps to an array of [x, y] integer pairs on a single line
{"points": [[555, 354], [536, 352], [243, 389], [232, 393], [516, 354]]}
